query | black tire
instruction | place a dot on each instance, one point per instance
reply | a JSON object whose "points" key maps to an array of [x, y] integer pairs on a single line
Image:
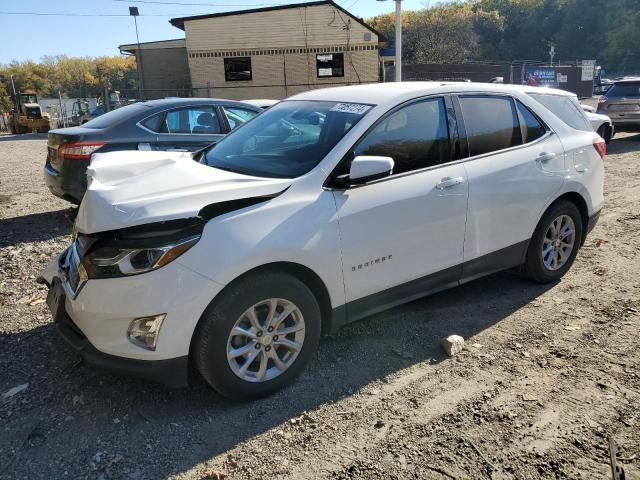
{"points": [[534, 267], [605, 132], [209, 346]]}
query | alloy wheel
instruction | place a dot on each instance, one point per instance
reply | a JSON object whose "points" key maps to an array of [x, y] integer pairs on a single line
{"points": [[266, 340], [559, 242]]}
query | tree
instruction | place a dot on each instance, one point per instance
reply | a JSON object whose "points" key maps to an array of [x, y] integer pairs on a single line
{"points": [[446, 33], [74, 77], [623, 36]]}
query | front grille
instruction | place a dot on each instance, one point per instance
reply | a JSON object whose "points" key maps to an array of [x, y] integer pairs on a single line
{"points": [[71, 268]]}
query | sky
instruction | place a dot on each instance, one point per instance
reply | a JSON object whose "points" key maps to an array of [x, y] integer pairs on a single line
{"points": [[24, 37]]}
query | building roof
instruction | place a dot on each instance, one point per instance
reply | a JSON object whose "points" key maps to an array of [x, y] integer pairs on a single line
{"points": [[179, 22], [133, 47]]}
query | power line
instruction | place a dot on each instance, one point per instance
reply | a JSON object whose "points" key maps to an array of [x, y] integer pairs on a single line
{"points": [[157, 2], [89, 14]]}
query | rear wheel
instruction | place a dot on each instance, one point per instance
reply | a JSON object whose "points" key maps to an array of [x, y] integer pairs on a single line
{"points": [[555, 243], [258, 336]]}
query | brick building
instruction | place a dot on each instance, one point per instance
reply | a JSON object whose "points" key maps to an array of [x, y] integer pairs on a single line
{"points": [[275, 52], [165, 69]]}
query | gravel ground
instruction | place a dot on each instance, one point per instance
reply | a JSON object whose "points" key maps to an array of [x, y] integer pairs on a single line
{"points": [[548, 374]]}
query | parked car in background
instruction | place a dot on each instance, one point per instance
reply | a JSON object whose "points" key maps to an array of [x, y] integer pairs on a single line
{"points": [[602, 124], [175, 124], [378, 195], [621, 102], [262, 103]]}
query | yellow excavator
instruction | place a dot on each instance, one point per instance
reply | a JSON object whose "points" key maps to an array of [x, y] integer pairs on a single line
{"points": [[28, 117]]}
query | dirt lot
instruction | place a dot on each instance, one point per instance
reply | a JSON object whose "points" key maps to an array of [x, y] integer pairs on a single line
{"points": [[548, 374]]}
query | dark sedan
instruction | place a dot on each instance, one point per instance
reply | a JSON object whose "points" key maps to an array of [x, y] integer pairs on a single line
{"points": [[172, 124]]}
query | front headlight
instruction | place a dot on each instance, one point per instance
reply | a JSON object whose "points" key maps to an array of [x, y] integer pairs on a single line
{"points": [[109, 262]]}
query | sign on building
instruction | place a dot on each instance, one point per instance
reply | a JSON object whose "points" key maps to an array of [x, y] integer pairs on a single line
{"points": [[541, 76], [588, 70]]}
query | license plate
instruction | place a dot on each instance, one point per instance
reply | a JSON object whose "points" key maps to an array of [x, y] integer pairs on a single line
{"points": [[56, 300]]}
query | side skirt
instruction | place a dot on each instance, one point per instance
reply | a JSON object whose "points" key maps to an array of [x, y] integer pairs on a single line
{"points": [[503, 259]]}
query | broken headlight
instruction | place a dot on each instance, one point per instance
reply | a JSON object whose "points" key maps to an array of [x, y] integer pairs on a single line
{"points": [[114, 261]]}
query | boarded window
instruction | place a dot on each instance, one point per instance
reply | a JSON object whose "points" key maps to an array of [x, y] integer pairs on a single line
{"points": [[330, 65], [237, 69]]}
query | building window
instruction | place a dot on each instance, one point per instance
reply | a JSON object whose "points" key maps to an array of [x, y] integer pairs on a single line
{"points": [[237, 69], [330, 65]]}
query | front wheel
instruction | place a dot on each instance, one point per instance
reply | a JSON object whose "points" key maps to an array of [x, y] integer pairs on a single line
{"points": [[258, 336], [605, 132], [555, 243]]}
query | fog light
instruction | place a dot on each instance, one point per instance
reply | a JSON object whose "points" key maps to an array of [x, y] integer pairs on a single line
{"points": [[144, 331]]}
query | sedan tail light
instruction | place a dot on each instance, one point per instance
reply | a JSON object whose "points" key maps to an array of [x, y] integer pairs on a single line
{"points": [[80, 150], [601, 147], [602, 99]]}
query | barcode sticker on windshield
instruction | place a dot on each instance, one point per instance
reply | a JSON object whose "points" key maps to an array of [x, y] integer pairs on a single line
{"points": [[357, 108]]}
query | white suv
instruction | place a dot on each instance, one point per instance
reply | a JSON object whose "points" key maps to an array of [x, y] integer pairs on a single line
{"points": [[328, 207]]}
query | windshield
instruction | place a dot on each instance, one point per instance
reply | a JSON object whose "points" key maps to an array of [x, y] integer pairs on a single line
{"points": [[116, 116], [287, 140], [566, 108], [624, 89]]}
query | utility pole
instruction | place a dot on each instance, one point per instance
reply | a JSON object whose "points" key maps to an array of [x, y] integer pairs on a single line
{"points": [[13, 88], [133, 11], [398, 39]]}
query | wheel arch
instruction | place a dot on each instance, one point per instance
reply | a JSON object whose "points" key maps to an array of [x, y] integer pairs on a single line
{"points": [[303, 273], [579, 201]]}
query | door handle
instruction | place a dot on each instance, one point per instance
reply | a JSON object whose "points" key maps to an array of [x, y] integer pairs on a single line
{"points": [[544, 157], [448, 182]]}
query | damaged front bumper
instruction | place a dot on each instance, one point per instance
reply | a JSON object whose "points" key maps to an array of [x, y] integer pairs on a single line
{"points": [[94, 318]]}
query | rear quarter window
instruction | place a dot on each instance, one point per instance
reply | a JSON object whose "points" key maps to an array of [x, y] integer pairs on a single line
{"points": [[530, 126], [566, 108], [117, 116]]}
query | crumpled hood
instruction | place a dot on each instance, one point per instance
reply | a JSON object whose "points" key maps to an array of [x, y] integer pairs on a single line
{"points": [[134, 188]]}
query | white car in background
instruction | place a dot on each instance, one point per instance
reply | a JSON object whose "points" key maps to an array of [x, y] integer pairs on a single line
{"points": [[601, 123], [237, 262]]}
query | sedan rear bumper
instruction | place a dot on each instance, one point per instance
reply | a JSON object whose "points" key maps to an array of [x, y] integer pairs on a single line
{"points": [[53, 181]]}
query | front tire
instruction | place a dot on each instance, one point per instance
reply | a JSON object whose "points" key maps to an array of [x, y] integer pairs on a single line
{"points": [[555, 243], [605, 132], [258, 336]]}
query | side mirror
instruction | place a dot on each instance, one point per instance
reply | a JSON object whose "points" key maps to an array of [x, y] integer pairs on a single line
{"points": [[366, 168]]}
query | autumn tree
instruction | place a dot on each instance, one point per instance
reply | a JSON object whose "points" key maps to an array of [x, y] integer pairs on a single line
{"points": [[72, 76]]}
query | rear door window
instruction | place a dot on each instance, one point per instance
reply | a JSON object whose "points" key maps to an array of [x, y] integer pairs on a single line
{"points": [[491, 123], [415, 136], [624, 89], [192, 120], [566, 108], [530, 126]]}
